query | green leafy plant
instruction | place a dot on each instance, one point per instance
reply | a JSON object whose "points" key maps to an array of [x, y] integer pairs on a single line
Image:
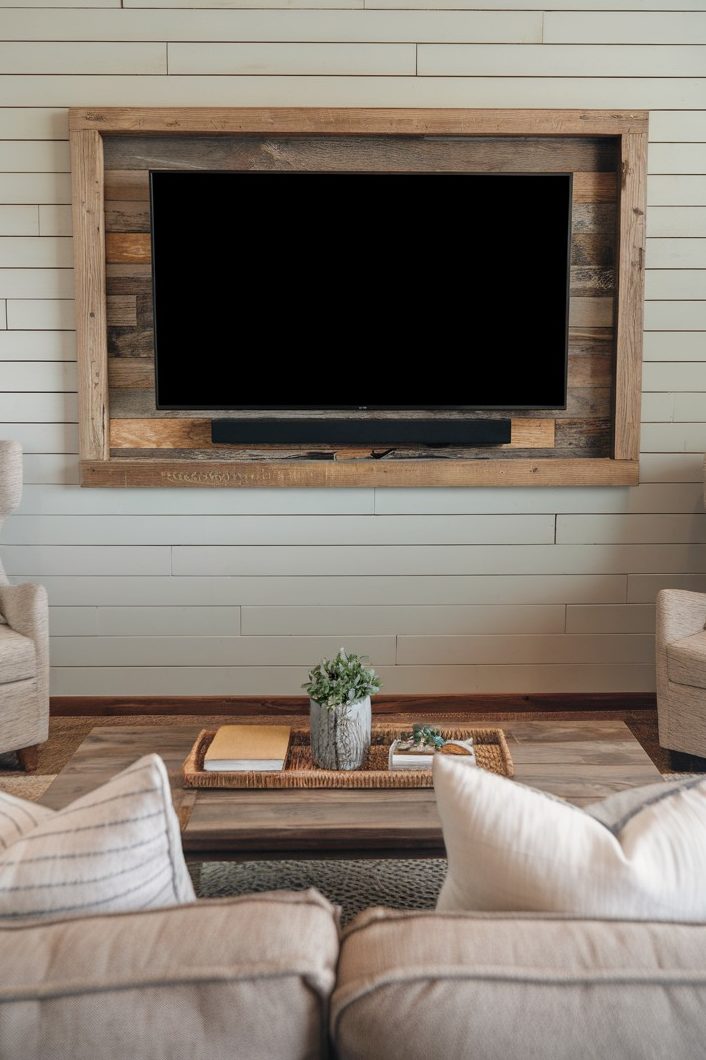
{"points": [[342, 680], [424, 736]]}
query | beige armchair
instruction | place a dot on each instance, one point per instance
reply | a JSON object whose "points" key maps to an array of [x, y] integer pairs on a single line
{"points": [[24, 640], [681, 670]]}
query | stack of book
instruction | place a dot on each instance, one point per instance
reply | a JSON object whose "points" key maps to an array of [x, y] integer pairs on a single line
{"points": [[406, 756], [242, 748]]}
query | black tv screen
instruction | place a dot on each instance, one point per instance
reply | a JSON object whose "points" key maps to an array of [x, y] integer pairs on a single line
{"points": [[360, 290]]}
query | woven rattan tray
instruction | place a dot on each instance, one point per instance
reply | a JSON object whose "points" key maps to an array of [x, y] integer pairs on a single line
{"points": [[299, 771]]}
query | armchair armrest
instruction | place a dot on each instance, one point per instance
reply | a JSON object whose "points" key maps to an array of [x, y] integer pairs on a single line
{"points": [[679, 614], [26, 609]]}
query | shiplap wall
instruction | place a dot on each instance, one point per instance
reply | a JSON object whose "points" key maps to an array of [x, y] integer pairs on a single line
{"points": [[219, 591]]}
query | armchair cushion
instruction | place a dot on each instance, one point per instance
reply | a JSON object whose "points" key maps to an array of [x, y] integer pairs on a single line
{"points": [[18, 658], [686, 660]]}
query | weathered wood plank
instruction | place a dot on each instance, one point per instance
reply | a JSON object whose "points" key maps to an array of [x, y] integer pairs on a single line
{"points": [[594, 436], [590, 340], [121, 312], [591, 370], [160, 434], [591, 217], [352, 120], [591, 281], [130, 372], [631, 285], [127, 216], [89, 257], [127, 247], [591, 312], [593, 248], [127, 185], [183, 474], [595, 187], [130, 342], [362, 154]]}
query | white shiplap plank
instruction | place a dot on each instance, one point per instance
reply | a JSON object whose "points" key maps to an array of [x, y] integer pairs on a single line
{"points": [[92, 57], [55, 221], [490, 590], [299, 530], [42, 438], [672, 468], [143, 503], [539, 649], [486, 60], [19, 220], [673, 438], [675, 283], [144, 621], [38, 346], [327, 59], [41, 314], [675, 376], [223, 561], [675, 491], [676, 191], [35, 187], [610, 618], [676, 254], [625, 27], [299, 26], [674, 345], [59, 3], [37, 376], [677, 158], [669, 126], [51, 468], [642, 588], [214, 651], [3, 314], [208, 91], [36, 283], [690, 408], [35, 252], [675, 316], [284, 680], [682, 221], [38, 408], [390, 619], [675, 495], [38, 560], [629, 529], [36, 123], [34, 156]]}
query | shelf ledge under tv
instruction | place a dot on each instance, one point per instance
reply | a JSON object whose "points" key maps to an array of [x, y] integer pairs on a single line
{"points": [[112, 431]]}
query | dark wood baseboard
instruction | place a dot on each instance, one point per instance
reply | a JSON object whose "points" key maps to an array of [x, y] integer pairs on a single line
{"points": [[476, 703]]}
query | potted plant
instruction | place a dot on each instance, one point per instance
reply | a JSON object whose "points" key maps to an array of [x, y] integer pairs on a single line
{"points": [[339, 700]]}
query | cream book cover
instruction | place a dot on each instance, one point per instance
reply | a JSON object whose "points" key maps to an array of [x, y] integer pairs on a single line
{"points": [[242, 747]]}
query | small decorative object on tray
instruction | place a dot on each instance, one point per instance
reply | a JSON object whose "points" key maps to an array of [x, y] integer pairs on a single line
{"points": [[244, 748], [416, 749], [300, 770]]}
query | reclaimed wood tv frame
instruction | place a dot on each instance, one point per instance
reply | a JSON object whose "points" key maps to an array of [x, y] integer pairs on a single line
{"points": [[99, 468]]}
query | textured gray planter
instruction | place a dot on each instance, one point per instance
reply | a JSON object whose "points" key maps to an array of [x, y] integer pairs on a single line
{"points": [[340, 736]]}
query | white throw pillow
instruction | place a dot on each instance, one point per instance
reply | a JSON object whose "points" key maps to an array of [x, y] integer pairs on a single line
{"points": [[639, 854], [116, 849]]}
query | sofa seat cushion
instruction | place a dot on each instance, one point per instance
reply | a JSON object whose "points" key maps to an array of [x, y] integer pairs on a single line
{"points": [[412, 986], [114, 849], [18, 659], [638, 854], [237, 977], [686, 660]]}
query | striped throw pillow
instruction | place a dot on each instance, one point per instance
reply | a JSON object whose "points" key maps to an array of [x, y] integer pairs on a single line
{"points": [[116, 849]]}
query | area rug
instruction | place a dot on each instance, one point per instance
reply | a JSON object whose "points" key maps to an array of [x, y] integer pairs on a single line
{"points": [[352, 885]]}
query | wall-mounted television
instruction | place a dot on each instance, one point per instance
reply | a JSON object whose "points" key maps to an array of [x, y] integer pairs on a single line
{"points": [[340, 290]]}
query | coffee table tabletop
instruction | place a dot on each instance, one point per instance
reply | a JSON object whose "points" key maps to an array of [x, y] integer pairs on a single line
{"points": [[579, 760]]}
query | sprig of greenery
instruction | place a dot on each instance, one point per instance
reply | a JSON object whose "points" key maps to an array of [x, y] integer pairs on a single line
{"points": [[342, 680], [424, 736]]}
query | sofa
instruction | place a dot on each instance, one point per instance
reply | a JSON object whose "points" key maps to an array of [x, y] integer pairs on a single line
{"points": [[270, 977], [681, 670]]}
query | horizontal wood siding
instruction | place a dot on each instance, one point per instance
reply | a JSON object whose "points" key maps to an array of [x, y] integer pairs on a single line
{"points": [[192, 591]]}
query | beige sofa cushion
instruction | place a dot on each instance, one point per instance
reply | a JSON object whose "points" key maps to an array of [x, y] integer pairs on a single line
{"points": [[237, 977], [417, 986], [686, 660], [18, 659]]}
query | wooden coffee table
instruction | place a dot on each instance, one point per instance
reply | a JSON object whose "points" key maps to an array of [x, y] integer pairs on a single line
{"points": [[579, 760]]}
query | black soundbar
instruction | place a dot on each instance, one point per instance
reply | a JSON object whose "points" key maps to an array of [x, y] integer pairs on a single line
{"points": [[432, 432]]}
